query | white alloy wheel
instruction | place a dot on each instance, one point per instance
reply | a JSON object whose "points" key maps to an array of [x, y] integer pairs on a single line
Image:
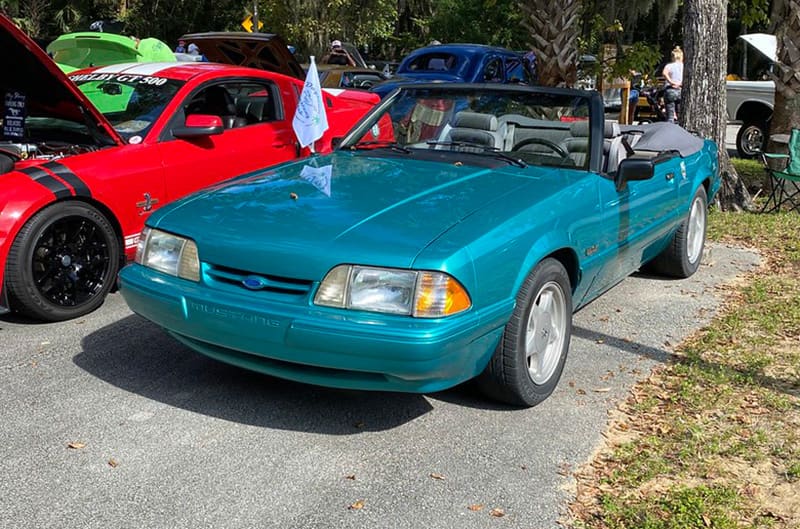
{"points": [[695, 237], [545, 333]]}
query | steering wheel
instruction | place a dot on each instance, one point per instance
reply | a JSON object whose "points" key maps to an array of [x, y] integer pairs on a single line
{"points": [[541, 141]]}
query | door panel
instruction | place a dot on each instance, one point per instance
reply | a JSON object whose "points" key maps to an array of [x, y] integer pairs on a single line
{"points": [[635, 218], [258, 134]]}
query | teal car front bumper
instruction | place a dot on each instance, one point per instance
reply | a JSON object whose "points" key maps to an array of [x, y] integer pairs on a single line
{"points": [[315, 345]]}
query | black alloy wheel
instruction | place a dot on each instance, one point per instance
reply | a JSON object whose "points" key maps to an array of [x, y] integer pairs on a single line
{"points": [[63, 262]]}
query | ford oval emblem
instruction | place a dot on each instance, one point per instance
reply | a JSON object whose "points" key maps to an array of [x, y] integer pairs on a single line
{"points": [[255, 282]]}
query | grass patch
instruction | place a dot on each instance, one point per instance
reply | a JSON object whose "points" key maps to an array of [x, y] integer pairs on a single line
{"points": [[682, 508], [751, 172], [712, 440]]}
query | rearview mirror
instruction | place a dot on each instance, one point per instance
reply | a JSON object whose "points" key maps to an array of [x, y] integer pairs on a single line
{"points": [[199, 125], [112, 89]]}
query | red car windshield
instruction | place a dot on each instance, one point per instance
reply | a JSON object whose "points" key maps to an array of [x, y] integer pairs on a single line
{"points": [[131, 103]]}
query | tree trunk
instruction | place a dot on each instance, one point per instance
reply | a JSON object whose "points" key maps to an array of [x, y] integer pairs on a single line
{"points": [[704, 97], [554, 33], [786, 74], [786, 15]]}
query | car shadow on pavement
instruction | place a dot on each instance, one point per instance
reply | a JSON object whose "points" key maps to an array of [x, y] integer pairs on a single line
{"points": [[137, 356], [787, 386], [623, 344]]}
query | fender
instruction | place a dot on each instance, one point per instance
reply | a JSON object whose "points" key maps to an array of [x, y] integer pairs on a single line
{"points": [[21, 196], [554, 242]]}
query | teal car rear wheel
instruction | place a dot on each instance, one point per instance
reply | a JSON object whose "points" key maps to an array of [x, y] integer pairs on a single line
{"points": [[528, 362], [681, 258]]}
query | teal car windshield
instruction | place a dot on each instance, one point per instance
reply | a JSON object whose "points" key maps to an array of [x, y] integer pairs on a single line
{"points": [[525, 127], [131, 103]]}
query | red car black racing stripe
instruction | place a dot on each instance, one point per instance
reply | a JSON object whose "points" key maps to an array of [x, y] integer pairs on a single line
{"points": [[63, 172], [48, 181]]}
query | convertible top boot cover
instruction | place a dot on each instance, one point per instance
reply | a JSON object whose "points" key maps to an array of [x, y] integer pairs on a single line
{"points": [[664, 136]]}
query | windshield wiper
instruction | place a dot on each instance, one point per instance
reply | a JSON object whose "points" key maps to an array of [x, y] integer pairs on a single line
{"points": [[510, 159], [484, 149], [393, 145]]}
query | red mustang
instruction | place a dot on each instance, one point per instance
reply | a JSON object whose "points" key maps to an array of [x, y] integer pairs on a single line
{"points": [[79, 178]]}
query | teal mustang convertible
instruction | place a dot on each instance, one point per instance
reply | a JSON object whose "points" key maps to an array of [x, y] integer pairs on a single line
{"points": [[451, 235]]}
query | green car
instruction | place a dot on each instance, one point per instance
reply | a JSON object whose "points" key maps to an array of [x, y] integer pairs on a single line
{"points": [[74, 51], [451, 235]]}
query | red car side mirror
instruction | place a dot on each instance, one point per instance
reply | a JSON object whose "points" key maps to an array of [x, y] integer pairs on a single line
{"points": [[199, 125]]}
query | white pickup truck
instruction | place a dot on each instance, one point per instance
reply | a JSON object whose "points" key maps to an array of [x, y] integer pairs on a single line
{"points": [[751, 102]]}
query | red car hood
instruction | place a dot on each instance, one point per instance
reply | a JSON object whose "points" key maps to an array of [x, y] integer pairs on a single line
{"points": [[43, 89]]}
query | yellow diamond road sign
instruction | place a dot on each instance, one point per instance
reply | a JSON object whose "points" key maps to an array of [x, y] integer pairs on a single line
{"points": [[247, 24]]}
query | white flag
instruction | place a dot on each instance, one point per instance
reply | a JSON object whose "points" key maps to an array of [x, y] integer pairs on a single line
{"points": [[310, 121]]}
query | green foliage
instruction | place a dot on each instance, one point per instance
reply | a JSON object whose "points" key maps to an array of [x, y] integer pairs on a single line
{"points": [[169, 20], [67, 18], [496, 22], [390, 27], [751, 13], [637, 57]]}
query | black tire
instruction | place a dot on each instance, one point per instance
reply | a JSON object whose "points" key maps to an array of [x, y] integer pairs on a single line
{"points": [[681, 258], [751, 139], [524, 370], [62, 263]]}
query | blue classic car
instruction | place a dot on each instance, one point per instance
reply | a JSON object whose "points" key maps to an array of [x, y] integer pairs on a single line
{"points": [[452, 235], [457, 63]]}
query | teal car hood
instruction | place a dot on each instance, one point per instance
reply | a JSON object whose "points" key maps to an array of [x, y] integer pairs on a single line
{"points": [[299, 219]]}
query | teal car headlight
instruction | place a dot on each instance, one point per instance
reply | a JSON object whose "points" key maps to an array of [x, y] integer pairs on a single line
{"points": [[168, 253], [422, 294]]}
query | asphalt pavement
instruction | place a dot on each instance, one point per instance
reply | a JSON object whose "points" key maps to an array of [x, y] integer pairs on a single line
{"points": [[163, 437]]}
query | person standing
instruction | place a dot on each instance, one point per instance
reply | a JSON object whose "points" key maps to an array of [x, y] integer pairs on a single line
{"points": [[673, 73], [181, 47], [338, 55]]}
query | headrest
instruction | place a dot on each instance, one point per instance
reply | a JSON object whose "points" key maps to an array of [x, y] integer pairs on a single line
{"points": [[218, 101], [581, 128], [474, 120], [437, 63], [611, 129], [252, 108]]}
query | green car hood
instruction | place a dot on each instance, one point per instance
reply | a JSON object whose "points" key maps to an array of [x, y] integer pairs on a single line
{"points": [[381, 211], [85, 49]]}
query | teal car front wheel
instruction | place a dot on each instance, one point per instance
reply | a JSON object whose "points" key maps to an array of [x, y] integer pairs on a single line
{"points": [[527, 364]]}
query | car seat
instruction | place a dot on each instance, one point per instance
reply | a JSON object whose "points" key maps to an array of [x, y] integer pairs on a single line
{"points": [[577, 144], [255, 109], [476, 128], [216, 101]]}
